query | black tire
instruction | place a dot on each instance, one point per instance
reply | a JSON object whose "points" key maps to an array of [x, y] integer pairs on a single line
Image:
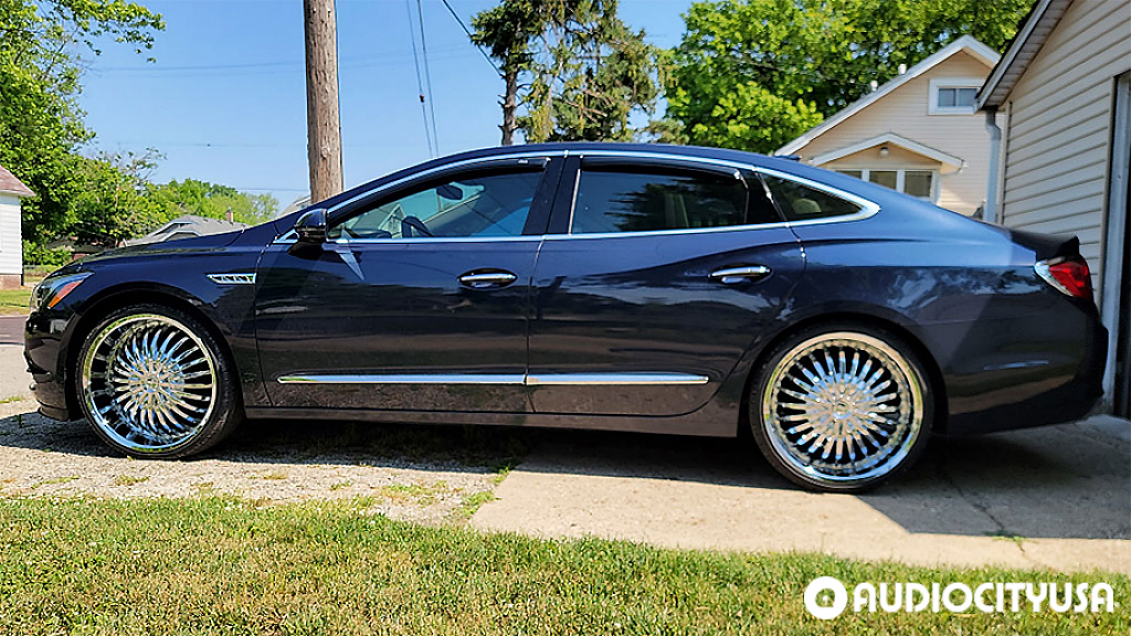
{"points": [[806, 393], [155, 383]]}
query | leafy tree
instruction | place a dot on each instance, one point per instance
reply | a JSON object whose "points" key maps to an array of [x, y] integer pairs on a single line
{"points": [[111, 203], [753, 74], [212, 201], [586, 72], [41, 44]]}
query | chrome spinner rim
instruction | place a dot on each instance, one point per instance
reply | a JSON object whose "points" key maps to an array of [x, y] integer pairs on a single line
{"points": [[843, 407], [148, 383]]}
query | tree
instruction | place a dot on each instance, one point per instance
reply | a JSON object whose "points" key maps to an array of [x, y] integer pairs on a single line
{"points": [[41, 43], [508, 29], [755, 74], [586, 72], [212, 201], [111, 203]]}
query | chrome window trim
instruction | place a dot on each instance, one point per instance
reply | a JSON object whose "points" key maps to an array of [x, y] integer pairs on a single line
{"points": [[542, 379], [525, 238], [868, 208], [290, 236]]}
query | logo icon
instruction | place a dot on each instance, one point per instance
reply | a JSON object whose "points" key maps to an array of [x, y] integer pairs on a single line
{"points": [[816, 598]]}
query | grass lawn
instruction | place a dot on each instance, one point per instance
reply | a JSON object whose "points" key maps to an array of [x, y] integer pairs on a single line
{"points": [[215, 565], [14, 301]]}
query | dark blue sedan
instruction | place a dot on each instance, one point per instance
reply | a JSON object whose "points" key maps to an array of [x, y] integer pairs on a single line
{"points": [[642, 288]]}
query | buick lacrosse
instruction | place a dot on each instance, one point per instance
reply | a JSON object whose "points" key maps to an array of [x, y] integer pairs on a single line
{"points": [[645, 288]]}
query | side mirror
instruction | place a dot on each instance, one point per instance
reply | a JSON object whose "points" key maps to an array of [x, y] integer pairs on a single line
{"points": [[311, 227]]}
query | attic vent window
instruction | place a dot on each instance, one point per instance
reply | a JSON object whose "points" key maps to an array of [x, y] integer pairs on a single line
{"points": [[953, 97]]}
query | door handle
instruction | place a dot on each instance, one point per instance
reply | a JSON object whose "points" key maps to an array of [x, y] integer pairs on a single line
{"points": [[487, 280], [734, 275]]}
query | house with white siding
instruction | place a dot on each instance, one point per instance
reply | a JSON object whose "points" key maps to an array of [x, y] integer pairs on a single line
{"points": [[11, 241], [918, 133], [1061, 100]]}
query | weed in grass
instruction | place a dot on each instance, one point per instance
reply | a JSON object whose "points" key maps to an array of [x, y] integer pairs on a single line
{"points": [[340, 485], [470, 505], [1006, 536], [205, 488], [55, 481], [421, 494], [14, 398], [130, 480]]}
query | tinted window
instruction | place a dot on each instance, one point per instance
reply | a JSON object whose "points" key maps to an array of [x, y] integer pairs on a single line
{"points": [[640, 202], [474, 205], [801, 203]]}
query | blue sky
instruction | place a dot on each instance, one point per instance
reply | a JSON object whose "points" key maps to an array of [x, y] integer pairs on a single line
{"points": [[225, 100]]}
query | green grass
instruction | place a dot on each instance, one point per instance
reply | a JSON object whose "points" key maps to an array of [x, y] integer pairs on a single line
{"points": [[216, 565], [14, 301]]}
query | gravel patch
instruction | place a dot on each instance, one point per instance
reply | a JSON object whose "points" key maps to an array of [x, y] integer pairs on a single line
{"points": [[425, 474]]}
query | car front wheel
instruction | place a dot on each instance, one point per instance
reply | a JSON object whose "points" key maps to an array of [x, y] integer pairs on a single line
{"points": [[154, 382], [842, 408]]}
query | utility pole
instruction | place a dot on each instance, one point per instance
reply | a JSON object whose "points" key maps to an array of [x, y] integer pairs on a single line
{"points": [[324, 135]]}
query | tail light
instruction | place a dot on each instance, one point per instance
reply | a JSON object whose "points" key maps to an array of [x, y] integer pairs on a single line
{"points": [[1068, 275]]}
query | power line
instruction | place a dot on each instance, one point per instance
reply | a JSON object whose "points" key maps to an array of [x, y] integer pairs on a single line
{"points": [[419, 80], [428, 76], [470, 37]]}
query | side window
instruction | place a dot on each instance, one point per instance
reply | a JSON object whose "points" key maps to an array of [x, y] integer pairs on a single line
{"points": [[799, 202], [486, 205], [623, 201]]}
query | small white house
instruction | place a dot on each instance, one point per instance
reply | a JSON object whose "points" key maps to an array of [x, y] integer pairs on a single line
{"points": [[11, 240]]}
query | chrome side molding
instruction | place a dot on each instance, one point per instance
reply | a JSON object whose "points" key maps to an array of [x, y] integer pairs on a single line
{"points": [[613, 379], [514, 379], [409, 378]]}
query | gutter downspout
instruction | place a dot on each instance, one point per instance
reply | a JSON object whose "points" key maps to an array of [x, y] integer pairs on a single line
{"points": [[989, 210]]}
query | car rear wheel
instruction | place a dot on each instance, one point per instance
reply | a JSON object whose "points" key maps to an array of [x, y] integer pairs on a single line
{"points": [[153, 382], [842, 407]]}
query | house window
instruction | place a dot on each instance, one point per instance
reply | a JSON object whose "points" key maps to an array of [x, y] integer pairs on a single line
{"points": [[917, 183], [953, 96]]}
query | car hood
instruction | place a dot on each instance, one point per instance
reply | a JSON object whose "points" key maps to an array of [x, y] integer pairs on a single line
{"points": [[207, 243]]}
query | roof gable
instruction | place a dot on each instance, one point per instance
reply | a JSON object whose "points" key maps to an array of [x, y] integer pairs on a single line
{"points": [[966, 43], [9, 184], [893, 139]]}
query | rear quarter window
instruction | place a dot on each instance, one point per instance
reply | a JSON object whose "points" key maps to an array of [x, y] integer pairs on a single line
{"points": [[799, 202]]}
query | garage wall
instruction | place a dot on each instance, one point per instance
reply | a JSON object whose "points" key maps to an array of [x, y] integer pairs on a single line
{"points": [[1058, 134]]}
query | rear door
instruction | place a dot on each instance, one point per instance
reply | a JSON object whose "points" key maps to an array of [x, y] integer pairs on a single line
{"points": [[655, 278]]}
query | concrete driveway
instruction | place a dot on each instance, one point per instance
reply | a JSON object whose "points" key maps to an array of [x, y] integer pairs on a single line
{"points": [[1057, 497]]}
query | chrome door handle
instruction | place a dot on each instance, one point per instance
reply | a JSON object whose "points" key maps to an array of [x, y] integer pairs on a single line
{"points": [[485, 280], [733, 275]]}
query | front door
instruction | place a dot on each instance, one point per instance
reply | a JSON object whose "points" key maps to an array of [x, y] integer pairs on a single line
{"points": [[418, 301], [654, 288]]}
